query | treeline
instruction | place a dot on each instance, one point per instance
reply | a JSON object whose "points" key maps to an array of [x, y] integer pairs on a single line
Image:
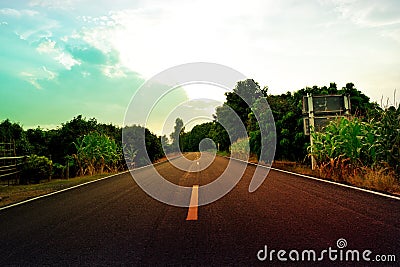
{"points": [[85, 146], [78, 147], [291, 143]]}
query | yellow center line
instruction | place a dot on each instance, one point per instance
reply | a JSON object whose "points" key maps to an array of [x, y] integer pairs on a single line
{"points": [[193, 206]]}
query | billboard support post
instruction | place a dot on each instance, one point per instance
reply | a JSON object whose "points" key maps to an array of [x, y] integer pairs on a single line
{"points": [[312, 126]]}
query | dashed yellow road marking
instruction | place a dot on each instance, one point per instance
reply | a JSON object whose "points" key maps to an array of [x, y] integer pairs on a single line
{"points": [[193, 206]]}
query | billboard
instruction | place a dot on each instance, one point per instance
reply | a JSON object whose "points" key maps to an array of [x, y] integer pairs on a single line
{"points": [[325, 104], [321, 109]]}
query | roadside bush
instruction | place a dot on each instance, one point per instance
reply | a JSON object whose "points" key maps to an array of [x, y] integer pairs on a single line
{"points": [[240, 149], [36, 168], [58, 170]]}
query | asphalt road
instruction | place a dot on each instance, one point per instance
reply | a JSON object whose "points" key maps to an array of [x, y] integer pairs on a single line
{"points": [[113, 222]]}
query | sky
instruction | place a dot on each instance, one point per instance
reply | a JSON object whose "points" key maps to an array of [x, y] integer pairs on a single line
{"points": [[63, 58]]}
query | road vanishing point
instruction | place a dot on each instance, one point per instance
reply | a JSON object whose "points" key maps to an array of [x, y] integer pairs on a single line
{"points": [[114, 222]]}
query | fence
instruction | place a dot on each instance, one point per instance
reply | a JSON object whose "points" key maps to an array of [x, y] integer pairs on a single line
{"points": [[10, 164]]}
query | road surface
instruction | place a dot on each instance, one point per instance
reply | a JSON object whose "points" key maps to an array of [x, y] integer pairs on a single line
{"points": [[113, 222]]}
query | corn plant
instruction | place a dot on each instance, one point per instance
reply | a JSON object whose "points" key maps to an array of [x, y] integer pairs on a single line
{"points": [[346, 146], [96, 152], [387, 131]]}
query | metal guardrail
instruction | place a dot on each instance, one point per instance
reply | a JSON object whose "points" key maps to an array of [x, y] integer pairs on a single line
{"points": [[10, 168]]}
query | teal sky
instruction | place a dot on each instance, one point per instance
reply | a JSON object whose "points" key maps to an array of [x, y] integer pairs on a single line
{"points": [[64, 58]]}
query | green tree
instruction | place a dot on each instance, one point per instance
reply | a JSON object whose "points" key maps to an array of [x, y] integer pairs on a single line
{"points": [[360, 103], [38, 141], [143, 144], [61, 141], [176, 134], [220, 136], [192, 139], [243, 97], [10, 131]]}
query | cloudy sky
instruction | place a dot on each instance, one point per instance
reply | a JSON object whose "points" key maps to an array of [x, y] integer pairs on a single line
{"points": [[64, 58]]}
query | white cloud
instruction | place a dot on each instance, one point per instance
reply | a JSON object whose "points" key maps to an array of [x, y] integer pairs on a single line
{"points": [[51, 75], [29, 77], [382, 15], [53, 4], [113, 71], [62, 57], [18, 13], [369, 13], [286, 45], [67, 60], [158, 36], [47, 46], [34, 76]]}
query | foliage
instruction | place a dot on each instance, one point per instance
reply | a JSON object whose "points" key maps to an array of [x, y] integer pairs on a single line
{"points": [[263, 134], [191, 140], [226, 117], [376, 130], [96, 152], [10, 131], [219, 135], [36, 168], [291, 143], [212, 130], [61, 141], [240, 149], [134, 139], [39, 143], [176, 135], [348, 145], [387, 133], [243, 97], [58, 170]]}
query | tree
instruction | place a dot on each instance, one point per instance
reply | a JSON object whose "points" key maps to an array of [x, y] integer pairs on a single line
{"points": [[220, 136], [13, 132], [176, 134], [62, 139], [143, 144], [165, 144], [192, 139], [360, 103], [230, 121], [38, 141], [243, 97]]}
